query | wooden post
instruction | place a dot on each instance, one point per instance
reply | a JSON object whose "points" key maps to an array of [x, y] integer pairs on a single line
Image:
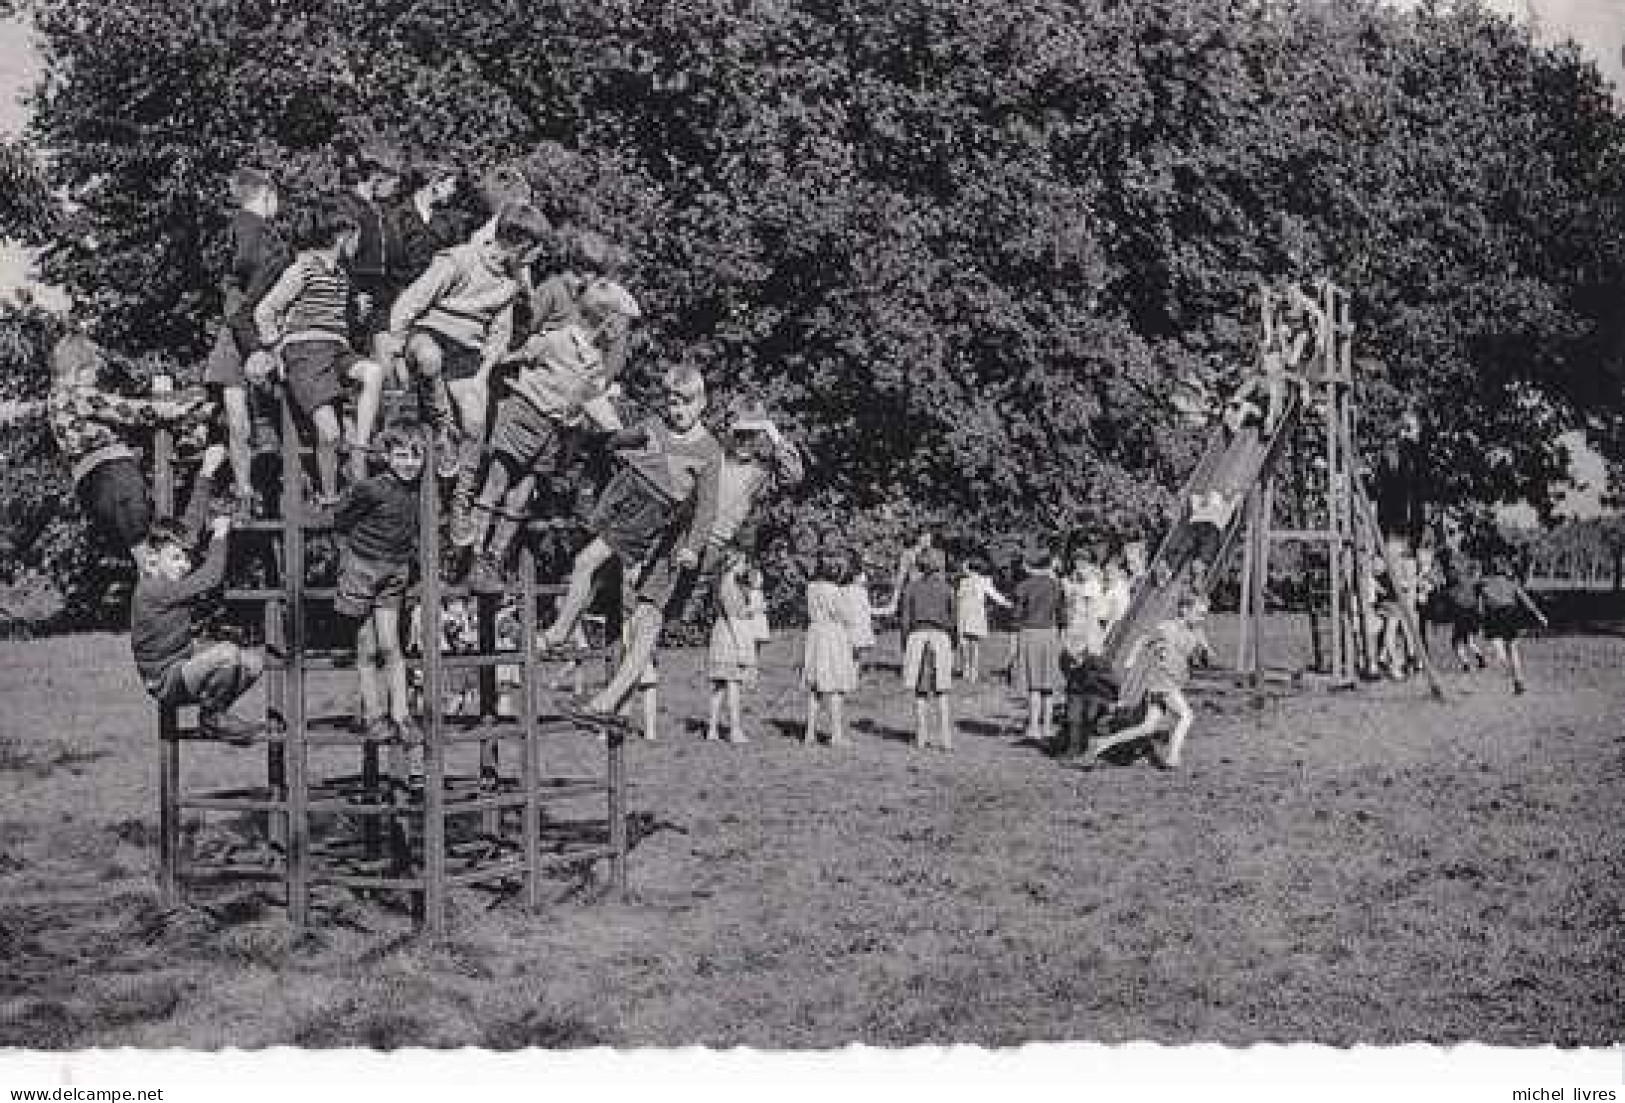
{"points": [[169, 749], [532, 767], [297, 813], [434, 745]]}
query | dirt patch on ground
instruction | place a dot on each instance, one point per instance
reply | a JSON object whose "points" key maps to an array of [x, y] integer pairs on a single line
{"points": [[1362, 867]]}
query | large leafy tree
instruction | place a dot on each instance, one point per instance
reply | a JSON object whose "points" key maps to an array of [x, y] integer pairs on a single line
{"points": [[974, 250]]}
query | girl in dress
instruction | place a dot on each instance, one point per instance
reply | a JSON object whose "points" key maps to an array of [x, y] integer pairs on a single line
{"points": [[828, 670], [732, 658], [856, 590], [975, 590]]}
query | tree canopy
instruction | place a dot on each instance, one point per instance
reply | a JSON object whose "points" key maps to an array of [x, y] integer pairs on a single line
{"points": [[972, 250]]}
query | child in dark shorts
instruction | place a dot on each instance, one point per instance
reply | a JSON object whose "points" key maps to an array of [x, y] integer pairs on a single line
{"points": [[377, 520], [668, 463], [305, 316], [1507, 609], [926, 614], [258, 256], [564, 379]]}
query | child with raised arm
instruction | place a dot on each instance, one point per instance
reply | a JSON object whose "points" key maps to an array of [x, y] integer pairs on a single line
{"points": [[975, 590], [926, 613], [827, 667], [1166, 653], [377, 522], [305, 317], [88, 425], [258, 256], [563, 380], [731, 658], [454, 324], [1507, 609], [177, 668]]}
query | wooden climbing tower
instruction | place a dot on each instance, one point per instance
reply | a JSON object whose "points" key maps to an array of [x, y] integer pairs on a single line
{"points": [[479, 809], [1311, 492]]}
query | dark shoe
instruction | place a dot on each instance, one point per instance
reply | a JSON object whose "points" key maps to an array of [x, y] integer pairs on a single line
{"points": [[1518, 688], [233, 729]]}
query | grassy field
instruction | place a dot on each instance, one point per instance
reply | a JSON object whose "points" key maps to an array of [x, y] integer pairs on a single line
{"points": [[1360, 867]]}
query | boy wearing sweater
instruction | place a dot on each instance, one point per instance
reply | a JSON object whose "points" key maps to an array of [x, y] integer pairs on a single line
{"points": [[377, 521], [305, 317], [176, 668], [758, 460], [454, 324]]}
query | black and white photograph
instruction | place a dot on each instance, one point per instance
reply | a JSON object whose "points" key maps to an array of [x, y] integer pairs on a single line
{"points": [[602, 526]]}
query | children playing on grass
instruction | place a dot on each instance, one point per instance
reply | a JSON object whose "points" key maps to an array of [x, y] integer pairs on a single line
{"points": [[828, 670], [926, 614], [377, 520], [1159, 665], [305, 317], [1507, 609]]}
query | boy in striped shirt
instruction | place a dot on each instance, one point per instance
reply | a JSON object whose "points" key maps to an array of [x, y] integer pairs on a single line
{"points": [[305, 317]]}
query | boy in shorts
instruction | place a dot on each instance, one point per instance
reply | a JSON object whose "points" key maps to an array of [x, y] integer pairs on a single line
{"points": [[305, 317], [258, 256], [454, 324], [926, 614], [669, 463], [377, 520], [564, 378]]}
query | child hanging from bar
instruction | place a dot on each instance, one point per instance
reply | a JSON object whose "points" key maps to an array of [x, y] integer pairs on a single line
{"points": [[89, 424], [926, 614], [454, 324], [176, 667], [1159, 666], [377, 520], [564, 379], [758, 460], [305, 318]]}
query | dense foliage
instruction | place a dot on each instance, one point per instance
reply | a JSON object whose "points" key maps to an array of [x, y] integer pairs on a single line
{"points": [[975, 251]]}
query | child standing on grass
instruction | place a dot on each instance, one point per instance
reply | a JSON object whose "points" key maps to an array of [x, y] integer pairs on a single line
{"points": [[305, 316], [377, 522], [1507, 607], [975, 590], [1461, 599], [732, 656], [1161, 662], [862, 614], [926, 613], [1036, 668], [828, 669]]}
